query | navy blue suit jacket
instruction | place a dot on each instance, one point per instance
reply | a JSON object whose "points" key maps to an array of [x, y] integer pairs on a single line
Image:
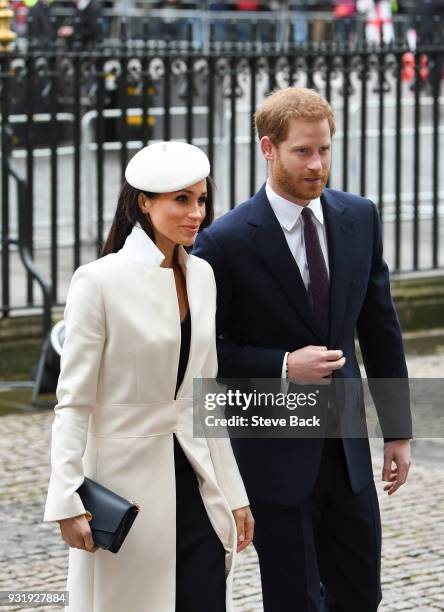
{"points": [[263, 311]]}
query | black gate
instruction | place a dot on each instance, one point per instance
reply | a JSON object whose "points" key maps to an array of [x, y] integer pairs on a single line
{"points": [[71, 119]]}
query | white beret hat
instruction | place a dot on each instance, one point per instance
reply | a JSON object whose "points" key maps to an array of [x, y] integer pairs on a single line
{"points": [[167, 166]]}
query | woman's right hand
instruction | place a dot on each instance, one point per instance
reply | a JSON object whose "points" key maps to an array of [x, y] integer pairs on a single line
{"points": [[77, 533]]}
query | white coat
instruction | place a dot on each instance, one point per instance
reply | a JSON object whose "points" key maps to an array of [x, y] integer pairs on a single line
{"points": [[116, 415]]}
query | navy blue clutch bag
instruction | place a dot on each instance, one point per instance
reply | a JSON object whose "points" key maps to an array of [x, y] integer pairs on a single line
{"points": [[110, 516]]}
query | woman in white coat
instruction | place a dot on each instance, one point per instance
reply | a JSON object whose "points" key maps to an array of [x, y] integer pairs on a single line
{"points": [[140, 326]]}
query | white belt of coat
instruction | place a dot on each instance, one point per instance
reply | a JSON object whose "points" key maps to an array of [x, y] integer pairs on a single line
{"points": [[141, 420]]}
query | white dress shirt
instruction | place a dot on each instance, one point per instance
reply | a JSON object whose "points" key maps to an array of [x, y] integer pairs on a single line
{"points": [[291, 221]]}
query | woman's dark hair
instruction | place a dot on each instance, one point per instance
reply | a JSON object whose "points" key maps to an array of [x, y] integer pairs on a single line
{"points": [[128, 214]]}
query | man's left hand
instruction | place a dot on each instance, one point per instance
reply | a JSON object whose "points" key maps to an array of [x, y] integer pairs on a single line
{"points": [[398, 453]]}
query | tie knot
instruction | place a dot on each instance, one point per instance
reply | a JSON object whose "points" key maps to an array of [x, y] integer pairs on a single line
{"points": [[307, 213]]}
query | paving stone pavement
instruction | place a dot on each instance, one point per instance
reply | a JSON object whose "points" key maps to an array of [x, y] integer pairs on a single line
{"points": [[33, 556]]}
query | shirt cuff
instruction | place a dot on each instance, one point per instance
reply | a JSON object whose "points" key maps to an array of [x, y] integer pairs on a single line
{"points": [[284, 368], [284, 377]]}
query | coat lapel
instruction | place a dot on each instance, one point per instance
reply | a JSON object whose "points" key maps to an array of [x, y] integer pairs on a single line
{"points": [[340, 254], [140, 248], [196, 298], [270, 241]]}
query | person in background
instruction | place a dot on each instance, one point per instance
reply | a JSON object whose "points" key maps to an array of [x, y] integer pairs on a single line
{"points": [[319, 23], [379, 21], [425, 17], [18, 25], [220, 27], [244, 28], [299, 21], [87, 28], [248, 5], [172, 26], [428, 22], [40, 27], [266, 29], [345, 14]]}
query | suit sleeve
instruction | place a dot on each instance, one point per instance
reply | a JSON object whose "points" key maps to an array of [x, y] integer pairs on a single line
{"points": [[235, 360], [76, 393], [380, 339], [224, 462]]}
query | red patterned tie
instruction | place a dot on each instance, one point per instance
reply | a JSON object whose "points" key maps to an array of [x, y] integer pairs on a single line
{"points": [[319, 285]]}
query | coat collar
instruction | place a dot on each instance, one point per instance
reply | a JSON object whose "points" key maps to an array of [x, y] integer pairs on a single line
{"points": [[140, 248]]}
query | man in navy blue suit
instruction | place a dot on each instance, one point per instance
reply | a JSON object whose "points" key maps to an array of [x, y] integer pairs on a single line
{"points": [[299, 269]]}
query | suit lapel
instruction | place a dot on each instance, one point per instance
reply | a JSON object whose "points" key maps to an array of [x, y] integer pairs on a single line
{"points": [[195, 299], [197, 293], [272, 246], [340, 255]]}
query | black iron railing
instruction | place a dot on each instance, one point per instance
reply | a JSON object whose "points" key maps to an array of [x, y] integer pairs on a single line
{"points": [[78, 115]]}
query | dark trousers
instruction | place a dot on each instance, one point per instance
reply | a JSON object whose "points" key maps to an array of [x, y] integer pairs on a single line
{"points": [[200, 555], [334, 539]]}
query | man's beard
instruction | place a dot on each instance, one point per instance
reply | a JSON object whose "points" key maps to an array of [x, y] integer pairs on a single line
{"points": [[296, 186]]}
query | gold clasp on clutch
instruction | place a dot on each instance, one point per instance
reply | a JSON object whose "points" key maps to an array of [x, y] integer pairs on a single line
{"points": [[88, 516]]}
